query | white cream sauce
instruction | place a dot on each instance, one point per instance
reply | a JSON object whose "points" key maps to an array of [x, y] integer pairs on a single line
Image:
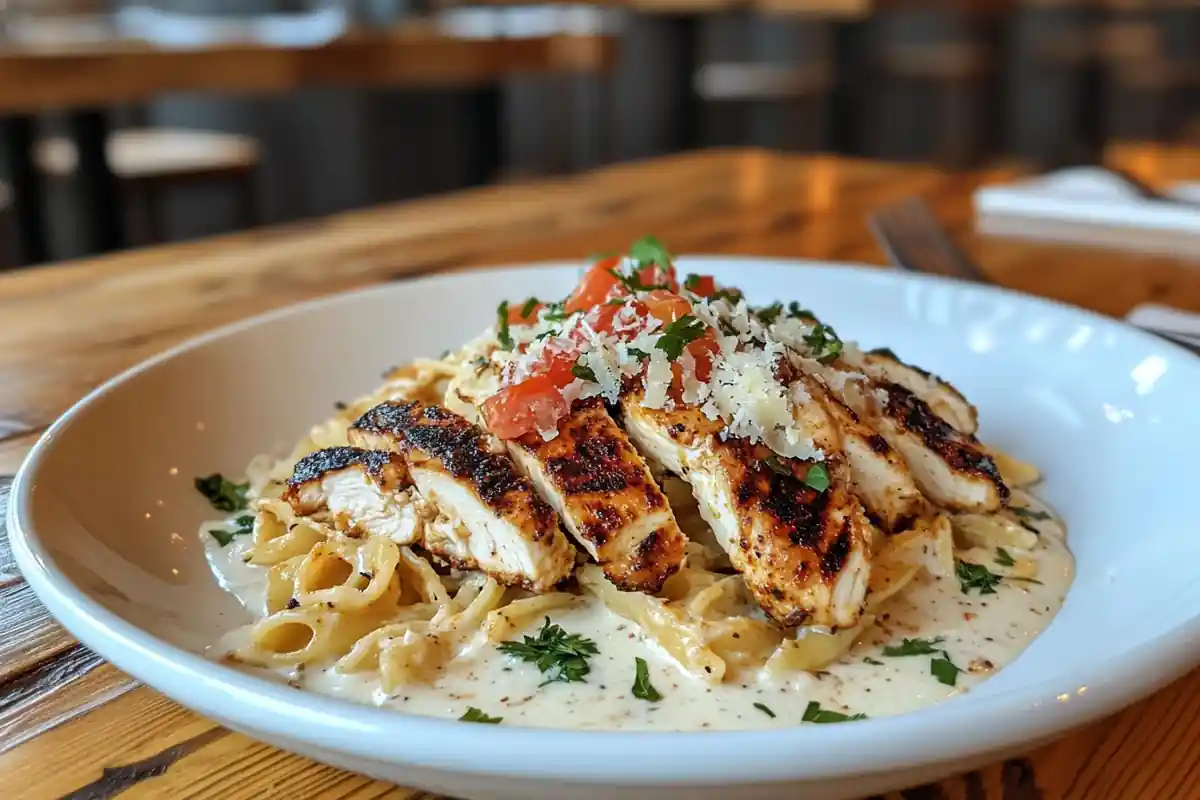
{"points": [[980, 634]]}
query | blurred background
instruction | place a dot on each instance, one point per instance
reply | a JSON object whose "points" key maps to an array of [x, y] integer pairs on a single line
{"points": [[130, 123]]}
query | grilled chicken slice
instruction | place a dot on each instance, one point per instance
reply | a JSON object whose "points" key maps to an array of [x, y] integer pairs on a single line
{"points": [[945, 401], [365, 492], [601, 487], [490, 518], [950, 467], [804, 554], [878, 474]]}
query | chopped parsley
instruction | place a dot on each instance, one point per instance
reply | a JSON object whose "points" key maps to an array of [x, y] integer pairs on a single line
{"points": [[817, 477], [502, 333], [583, 373], [649, 250], [814, 713], [768, 314], [872, 662], [763, 708], [479, 362], [976, 576], [445, 354], [473, 714], [824, 343], [1026, 580], [944, 669], [796, 310], [1029, 527], [1028, 513], [732, 296], [679, 334], [691, 281], [641, 355], [225, 495], [245, 526], [642, 688], [1003, 558], [528, 308], [886, 352], [561, 656], [913, 647]]}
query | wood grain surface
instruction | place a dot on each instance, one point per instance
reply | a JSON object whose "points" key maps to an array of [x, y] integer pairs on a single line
{"points": [[105, 72], [73, 726]]}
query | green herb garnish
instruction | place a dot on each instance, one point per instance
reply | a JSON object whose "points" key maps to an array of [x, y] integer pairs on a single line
{"points": [[763, 708], [642, 688], [732, 296], [245, 526], [976, 576], [225, 495], [583, 373], [562, 656], [1026, 580], [814, 713], [641, 355], [503, 334], [633, 283], [1029, 527], [649, 250], [528, 308], [817, 477], [777, 466], [913, 647], [1003, 558], [944, 669], [768, 314], [796, 310], [679, 334], [691, 281], [1028, 513], [553, 312], [872, 662], [824, 343], [473, 714]]}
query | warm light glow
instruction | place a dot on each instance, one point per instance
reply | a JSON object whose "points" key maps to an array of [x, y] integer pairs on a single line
{"points": [[173, 471], [1064, 697]]}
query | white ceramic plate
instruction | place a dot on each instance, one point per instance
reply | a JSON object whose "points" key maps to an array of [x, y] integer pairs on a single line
{"points": [[103, 519]]}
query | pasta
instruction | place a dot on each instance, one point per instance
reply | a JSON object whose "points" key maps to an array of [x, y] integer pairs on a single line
{"points": [[399, 607]]}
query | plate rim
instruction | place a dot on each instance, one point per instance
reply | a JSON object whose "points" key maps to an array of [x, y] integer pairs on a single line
{"points": [[978, 726]]}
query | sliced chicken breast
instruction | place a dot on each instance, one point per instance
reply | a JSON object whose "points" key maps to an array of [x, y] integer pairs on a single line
{"points": [[489, 515], [606, 496], [950, 467], [945, 401], [878, 474], [365, 492], [804, 554]]}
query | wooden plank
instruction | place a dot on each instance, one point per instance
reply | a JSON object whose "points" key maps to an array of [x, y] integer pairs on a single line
{"points": [[31, 636], [117, 71], [13, 449]]}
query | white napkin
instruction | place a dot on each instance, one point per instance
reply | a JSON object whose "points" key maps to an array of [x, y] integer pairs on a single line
{"points": [[1087, 205], [1172, 322]]}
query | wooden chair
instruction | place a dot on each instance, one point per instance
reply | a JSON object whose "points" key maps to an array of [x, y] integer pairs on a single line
{"points": [[150, 161]]}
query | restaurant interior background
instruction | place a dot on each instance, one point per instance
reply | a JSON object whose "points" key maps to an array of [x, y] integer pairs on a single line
{"points": [[959, 84]]}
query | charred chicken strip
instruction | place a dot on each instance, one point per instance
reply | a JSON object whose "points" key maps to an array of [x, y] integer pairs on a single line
{"points": [[490, 517], [600, 485], [941, 397], [804, 553], [362, 490]]}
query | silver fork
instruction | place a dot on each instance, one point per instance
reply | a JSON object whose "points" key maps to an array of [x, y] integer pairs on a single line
{"points": [[915, 241]]}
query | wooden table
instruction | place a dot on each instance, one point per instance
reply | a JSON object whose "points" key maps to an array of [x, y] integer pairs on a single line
{"points": [[64, 329], [86, 74]]}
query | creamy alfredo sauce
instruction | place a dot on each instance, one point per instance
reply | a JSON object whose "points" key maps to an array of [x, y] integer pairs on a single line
{"points": [[979, 632]]}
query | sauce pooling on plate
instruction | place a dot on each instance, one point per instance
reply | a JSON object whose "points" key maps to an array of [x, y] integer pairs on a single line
{"points": [[649, 505]]}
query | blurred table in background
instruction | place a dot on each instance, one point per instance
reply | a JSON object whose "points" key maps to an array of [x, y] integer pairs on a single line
{"points": [[73, 725], [89, 71]]}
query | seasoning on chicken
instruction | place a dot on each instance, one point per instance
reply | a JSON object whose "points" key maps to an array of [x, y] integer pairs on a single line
{"points": [[946, 401], [489, 516], [608, 500], [803, 550], [364, 492]]}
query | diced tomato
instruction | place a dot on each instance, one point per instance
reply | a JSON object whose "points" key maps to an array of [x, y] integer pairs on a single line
{"points": [[703, 286], [596, 286], [654, 275], [704, 350], [534, 404], [666, 306], [515, 317]]}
